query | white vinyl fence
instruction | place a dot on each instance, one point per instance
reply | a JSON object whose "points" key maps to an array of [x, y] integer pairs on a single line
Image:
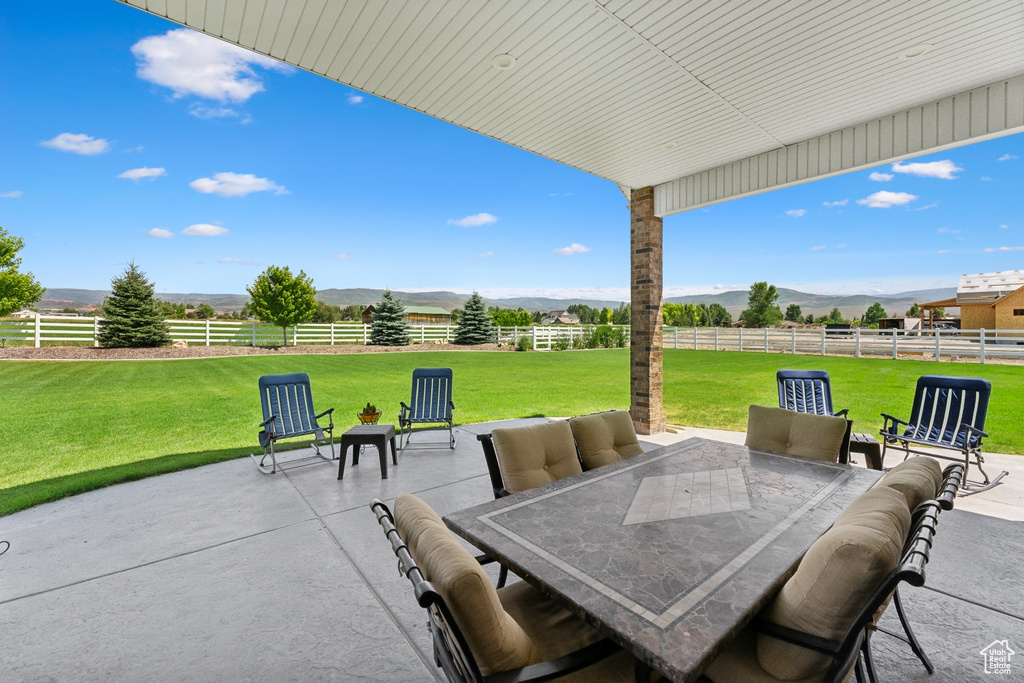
{"points": [[926, 344]]}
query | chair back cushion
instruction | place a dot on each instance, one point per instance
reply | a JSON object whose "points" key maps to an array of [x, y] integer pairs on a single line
{"points": [[805, 391], [496, 640], [535, 455], [777, 430], [604, 438], [918, 479], [834, 581]]}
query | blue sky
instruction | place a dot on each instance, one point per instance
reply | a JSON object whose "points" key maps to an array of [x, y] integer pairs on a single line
{"points": [[124, 137]]}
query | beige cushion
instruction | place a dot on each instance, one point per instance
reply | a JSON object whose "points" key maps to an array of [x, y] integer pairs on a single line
{"points": [[507, 629], [535, 455], [604, 438], [777, 430], [738, 664], [834, 580], [918, 479]]}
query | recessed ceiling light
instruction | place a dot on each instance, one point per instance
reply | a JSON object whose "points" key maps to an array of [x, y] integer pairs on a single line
{"points": [[503, 62], [914, 52], [669, 145]]}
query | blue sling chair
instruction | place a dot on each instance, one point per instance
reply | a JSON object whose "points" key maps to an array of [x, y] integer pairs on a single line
{"points": [[288, 412], [431, 403], [948, 414], [810, 391]]}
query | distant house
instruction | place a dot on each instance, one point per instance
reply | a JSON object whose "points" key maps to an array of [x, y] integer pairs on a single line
{"points": [[416, 315], [993, 301], [24, 313], [560, 318], [899, 323]]}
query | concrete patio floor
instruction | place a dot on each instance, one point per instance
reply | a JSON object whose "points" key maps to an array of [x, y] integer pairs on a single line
{"points": [[221, 573]]}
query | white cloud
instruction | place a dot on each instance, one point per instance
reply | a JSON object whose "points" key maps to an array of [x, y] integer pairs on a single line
{"points": [[160, 233], [340, 256], [474, 221], [987, 179], [78, 143], [881, 177], [1001, 225], [1006, 157], [841, 202], [191, 63], [201, 111], [132, 150], [355, 99], [204, 230], [567, 194], [486, 254], [819, 248], [1005, 249], [945, 251], [949, 230], [927, 206], [886, 199], [14, 194], [144, 172], [242, 261], [573, 248], [933, 169], [235, 185], [795, 213], [841, 245]]}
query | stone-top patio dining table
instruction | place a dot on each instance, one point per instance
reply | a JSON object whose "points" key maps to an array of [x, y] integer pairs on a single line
{"points": [[670, 553]]}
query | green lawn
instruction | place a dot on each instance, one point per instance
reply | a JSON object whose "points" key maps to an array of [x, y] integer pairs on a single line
{"points": [[70, 427]]}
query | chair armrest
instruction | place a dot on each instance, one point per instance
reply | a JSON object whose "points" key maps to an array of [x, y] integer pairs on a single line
{"points": [[791, 635], [971, 428], [404, 409], [451, 405], [269, 420], [841, 413], [560, 666], [330, 413]]}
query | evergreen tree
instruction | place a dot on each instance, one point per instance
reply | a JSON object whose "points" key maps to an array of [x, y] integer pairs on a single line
{"points": [[131, 316], [282, 299], [475, 326], [389, 325], [835, 316], [914, 311]]}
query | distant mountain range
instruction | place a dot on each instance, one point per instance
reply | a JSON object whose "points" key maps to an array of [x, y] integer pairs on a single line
{"points": [[734, 301]]}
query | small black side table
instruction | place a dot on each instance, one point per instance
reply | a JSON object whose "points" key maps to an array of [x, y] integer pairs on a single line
{"points": [[869, 447], [370, 435]]}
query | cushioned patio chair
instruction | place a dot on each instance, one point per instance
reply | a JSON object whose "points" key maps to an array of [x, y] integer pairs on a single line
{"points": [[287, 413], [948, 415], [604, 438], [431, 403], [481, 634], [778, 430], [817, 627], [810, 391]]}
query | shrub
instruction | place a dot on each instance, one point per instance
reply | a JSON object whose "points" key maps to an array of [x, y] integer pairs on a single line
{"points": [[589, 339], [524, 343], [560, 343]]}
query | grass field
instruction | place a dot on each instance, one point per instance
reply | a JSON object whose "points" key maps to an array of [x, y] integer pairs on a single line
{"points": [[70, 427]]}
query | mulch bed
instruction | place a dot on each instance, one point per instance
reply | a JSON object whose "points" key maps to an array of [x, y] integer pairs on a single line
{"points": [[169, 353]]}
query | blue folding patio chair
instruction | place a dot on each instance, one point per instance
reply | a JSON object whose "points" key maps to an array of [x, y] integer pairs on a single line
{"points": [[810, 391], [288, 412], [431, 403], [948, 414]]}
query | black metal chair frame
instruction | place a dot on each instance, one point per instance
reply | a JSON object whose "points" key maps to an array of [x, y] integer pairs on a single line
{"points": [[815, 377], [891, 436], [406, 412], [451, 651], [274, 427]]}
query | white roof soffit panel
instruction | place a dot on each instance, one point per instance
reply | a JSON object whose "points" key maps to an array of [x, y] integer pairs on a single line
{"points": [[657, 92]]}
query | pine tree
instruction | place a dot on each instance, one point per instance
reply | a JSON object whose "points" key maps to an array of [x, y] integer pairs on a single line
{"points": [[131, 316], [389, 325], [475, 326]]}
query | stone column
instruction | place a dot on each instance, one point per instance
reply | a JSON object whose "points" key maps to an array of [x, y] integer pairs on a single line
{"points": [[645, 303]]}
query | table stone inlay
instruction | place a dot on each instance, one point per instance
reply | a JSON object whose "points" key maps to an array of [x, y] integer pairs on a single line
{"points": [[689, 494], [672, 550]]}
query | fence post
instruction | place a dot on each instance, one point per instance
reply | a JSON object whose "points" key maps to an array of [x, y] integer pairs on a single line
{"points": [[534, 337], [823, 331], [938, 343], [858, 342], [423, 334], [695, 338], [716, 338], [254, 334], [794, 340], [675, 338], [448, 333], [741, 338], [366, 332], [95, 331], [39, 328], [207, 331], [766, 340], [894, 343], [332, 334], [982, 346]]}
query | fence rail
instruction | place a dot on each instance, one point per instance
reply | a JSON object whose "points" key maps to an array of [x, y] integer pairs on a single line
{"points": [[43, 330]]}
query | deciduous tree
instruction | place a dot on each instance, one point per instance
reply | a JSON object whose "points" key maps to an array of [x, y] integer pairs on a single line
{"points": [[835, 316], [131, 316], [914, 311], [282, 299], [793, 313], [874, 313], [762, 311], [17, 289]]}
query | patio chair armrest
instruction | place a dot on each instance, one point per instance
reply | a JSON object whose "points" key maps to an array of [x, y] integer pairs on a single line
{"points": [[451, 405], [560, 666], [841, 413], [895, 421], [329, 411], [791, 635], [269, 420], [404, 410], [972, 428]]}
